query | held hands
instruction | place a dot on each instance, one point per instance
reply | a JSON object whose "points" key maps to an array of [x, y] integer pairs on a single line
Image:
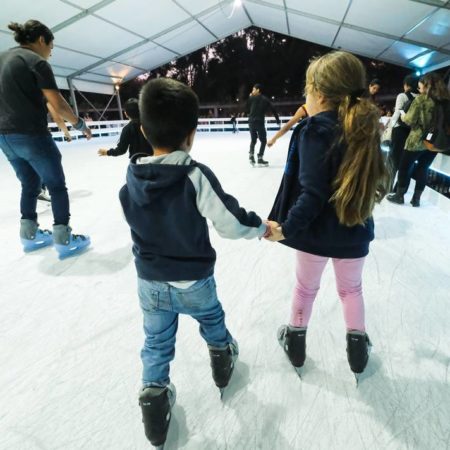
{"points": [[102, 152], [276, 234]]}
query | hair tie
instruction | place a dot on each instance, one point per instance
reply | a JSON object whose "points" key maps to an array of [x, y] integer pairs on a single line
{"points": [[355, 95]]}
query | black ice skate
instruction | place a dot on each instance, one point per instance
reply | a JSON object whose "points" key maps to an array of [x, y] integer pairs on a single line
{"points": [[293, 341], [358, 350], [222, 364], [156, 404], [262, 162], [251, 159]]}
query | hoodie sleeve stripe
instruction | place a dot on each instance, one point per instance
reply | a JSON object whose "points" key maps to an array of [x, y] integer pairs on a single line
{"points": [[229, 219]]}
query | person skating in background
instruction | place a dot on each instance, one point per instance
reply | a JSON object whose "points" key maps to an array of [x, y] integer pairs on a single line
{"points": [[166, 201], [257, 107], [300, 114], [131, 138], [433, 93], [27, 83], [233, 122], [334, 175]]}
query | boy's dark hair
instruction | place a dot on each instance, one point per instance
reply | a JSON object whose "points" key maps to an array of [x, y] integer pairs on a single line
{"points": [[169, 112], [258, 86], [30, 32], [411, 81], [132, 108], [375, 81]]}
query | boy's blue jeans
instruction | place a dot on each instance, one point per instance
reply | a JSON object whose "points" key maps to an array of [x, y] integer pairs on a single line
{"points": [[36, 160], [161, 304]]}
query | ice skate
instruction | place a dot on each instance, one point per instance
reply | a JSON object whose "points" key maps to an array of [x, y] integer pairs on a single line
{"points": [[156, 404], [32, 237], [252, 160], [68, 244], [262, 162], [222, 364], [358, 350], [293, 341]]}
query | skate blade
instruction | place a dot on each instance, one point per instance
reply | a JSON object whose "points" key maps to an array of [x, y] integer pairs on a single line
{"points": [[159, 447], [299, 371], [357, 377]]}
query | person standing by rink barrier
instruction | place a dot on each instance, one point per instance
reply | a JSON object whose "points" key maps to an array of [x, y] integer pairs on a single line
{"points": [[334, 175], [27, 83], [421, 116], [400, 130]]}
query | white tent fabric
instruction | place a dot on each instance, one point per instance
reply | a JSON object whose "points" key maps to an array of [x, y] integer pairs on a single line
{"points": [[106, 42]]}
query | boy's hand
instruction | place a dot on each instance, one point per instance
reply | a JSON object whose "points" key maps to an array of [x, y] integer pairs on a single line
{"points": [[276, 233], [271, 142], [68, 136], [103, 152]]}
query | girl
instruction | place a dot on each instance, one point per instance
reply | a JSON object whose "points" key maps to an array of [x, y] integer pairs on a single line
{"points": [[334, 175], [419, 117]]}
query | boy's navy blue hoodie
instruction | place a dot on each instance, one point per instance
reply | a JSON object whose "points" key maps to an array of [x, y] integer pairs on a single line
{"points": [[302, 206], [166, 202]]}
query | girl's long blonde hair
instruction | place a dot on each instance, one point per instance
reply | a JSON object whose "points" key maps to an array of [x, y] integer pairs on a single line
{"points": [[362, 178]]}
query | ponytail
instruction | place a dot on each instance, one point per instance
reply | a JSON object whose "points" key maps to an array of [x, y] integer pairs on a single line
{"points": [[362, 178], [30, 32]]}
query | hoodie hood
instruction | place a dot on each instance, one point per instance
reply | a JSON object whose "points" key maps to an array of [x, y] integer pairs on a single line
{"points": [[149, 176]]}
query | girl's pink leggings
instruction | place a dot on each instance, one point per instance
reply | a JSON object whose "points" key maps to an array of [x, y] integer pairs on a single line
{"points": [[348, 274]]}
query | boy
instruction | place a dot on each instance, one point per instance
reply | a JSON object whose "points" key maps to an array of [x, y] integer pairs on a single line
{"points": [[131, 137], [166, 201]]}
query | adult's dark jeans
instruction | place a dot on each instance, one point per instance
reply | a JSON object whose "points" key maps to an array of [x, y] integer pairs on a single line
{"points": [[257, 131], [424, 159], [36, 160], [399, 136]]}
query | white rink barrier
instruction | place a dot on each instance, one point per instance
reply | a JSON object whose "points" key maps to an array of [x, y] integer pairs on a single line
{"points": [[114, 127]]}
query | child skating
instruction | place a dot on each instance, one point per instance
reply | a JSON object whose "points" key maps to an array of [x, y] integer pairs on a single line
{"points": [[333, 177], [166, 201]]}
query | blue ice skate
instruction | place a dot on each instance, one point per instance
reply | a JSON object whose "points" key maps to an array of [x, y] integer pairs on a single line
{"points": [[32, 237], [68, 244]]}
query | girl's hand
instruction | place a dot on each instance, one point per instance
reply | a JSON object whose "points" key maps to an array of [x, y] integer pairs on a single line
{"points": [[276, 234], [271, 142], [68, 136], [102, 152]]}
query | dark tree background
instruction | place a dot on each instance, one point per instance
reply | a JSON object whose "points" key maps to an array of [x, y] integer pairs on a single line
{"points": [[226, 70]]}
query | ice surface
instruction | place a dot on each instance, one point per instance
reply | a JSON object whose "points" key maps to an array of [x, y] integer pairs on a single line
{"points": [[71, 331]]}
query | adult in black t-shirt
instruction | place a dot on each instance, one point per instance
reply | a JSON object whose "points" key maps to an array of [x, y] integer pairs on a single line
{"points": [[27, 84], [257, 106], [131, 137]]}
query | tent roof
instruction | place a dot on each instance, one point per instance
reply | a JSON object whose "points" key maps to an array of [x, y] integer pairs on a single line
{"points": [[99, 43]]}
